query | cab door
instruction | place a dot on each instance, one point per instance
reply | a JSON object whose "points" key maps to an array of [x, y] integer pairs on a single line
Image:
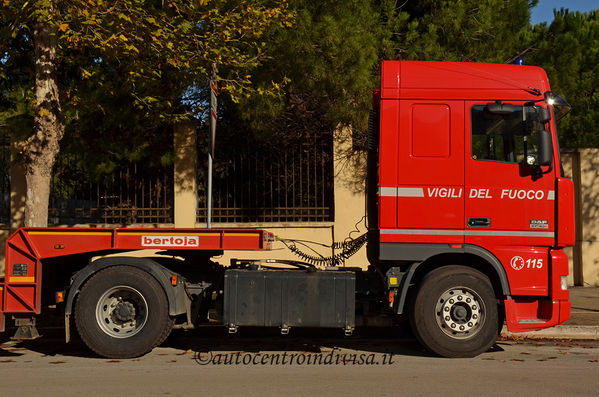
{"points": [[509, 199], [430, 191]]}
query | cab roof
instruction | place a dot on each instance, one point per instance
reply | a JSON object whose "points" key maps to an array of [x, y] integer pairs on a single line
{"points": [[461, 80]]}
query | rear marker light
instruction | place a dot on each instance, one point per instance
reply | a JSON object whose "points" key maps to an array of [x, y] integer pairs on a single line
{"points": [[174, 280], [59, 297]]}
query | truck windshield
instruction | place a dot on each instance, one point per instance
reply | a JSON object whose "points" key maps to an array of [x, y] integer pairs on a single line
{"points": [[510, 137]]}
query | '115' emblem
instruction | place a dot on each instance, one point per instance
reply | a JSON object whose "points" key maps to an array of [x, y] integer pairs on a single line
{"points": [[518, 263]]}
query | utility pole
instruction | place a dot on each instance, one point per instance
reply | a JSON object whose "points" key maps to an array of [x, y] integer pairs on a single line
{"points": [[213, 106]]}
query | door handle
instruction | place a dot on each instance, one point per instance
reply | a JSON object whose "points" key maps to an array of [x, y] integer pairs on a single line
{"points": [[479, 222]]}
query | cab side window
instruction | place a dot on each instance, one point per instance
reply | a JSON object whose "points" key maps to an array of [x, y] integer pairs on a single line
{"points": [[507, 137]]}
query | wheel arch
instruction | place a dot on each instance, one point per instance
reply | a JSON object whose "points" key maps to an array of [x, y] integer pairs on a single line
{"points": [[427, 258], [476, 258], [175, 294]]}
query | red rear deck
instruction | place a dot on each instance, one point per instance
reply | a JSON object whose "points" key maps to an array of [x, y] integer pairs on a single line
{"points": [[27, 247]]}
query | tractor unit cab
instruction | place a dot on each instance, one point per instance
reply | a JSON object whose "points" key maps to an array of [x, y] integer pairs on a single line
{"points": [[465, 174]]}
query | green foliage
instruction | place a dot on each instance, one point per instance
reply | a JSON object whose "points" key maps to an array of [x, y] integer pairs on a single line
{"points": [[456, 30], [152, 38], [16, 81], [326, 64], [569, 51], [125, 67]]}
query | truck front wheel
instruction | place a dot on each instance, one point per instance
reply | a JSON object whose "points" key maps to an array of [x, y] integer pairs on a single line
{"points": [[122, 312], [455, 312]]}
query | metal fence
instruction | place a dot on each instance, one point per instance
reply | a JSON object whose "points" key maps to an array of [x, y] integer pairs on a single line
{"points": [[258, 185], [132, 194], [264, 183]]}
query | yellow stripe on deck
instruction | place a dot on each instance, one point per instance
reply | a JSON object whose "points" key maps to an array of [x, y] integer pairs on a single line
{"points": [[21, 279], [121, 233], [168, 234], [227, 234], [70, 233]]}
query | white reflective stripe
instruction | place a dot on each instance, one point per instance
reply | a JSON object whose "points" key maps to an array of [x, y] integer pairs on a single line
{"points": [[441, 232], [410, 192], [508, 233], [387, 192], [421, 231], [419, 192], [401, 192]]}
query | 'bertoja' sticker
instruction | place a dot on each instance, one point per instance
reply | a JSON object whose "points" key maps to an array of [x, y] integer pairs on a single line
{"points": [[170, 241]]}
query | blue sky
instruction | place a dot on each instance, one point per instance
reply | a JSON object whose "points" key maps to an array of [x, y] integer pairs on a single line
{"points": [[543, 12]]}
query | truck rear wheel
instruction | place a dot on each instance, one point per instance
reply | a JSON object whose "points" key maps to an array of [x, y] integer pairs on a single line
{"points": [[122, 312], [455, 312]]}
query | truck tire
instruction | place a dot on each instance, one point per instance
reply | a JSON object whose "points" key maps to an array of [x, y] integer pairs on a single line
{"points": [[122, 312], [455, 312]]}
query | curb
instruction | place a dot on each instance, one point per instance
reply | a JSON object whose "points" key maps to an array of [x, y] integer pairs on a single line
{"points": [[588, 332]]}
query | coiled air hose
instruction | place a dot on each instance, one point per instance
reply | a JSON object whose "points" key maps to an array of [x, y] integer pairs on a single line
{"points": [[348, 248]]}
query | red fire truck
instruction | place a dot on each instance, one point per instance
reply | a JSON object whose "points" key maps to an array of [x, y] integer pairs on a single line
{"points": [[468, 214]]}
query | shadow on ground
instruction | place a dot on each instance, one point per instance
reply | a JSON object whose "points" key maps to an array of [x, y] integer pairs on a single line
{"points": [[393, 341]]}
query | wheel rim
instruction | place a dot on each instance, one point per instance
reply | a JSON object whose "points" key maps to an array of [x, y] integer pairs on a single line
{"points": [[121, 312], [460, 312]]}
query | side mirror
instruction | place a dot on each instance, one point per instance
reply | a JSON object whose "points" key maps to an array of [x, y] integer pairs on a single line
{"points": [[545, 148]]}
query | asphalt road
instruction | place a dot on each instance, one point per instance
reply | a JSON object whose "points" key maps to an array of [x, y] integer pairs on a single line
{"points": [[305, 364]]}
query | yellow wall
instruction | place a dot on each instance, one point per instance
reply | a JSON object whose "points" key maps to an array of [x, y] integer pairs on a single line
{"points": [[582, 166], [4, 233], [185, 177]]}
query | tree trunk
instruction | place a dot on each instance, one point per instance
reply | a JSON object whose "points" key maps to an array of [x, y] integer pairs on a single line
{"points": [[43, 146]]}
